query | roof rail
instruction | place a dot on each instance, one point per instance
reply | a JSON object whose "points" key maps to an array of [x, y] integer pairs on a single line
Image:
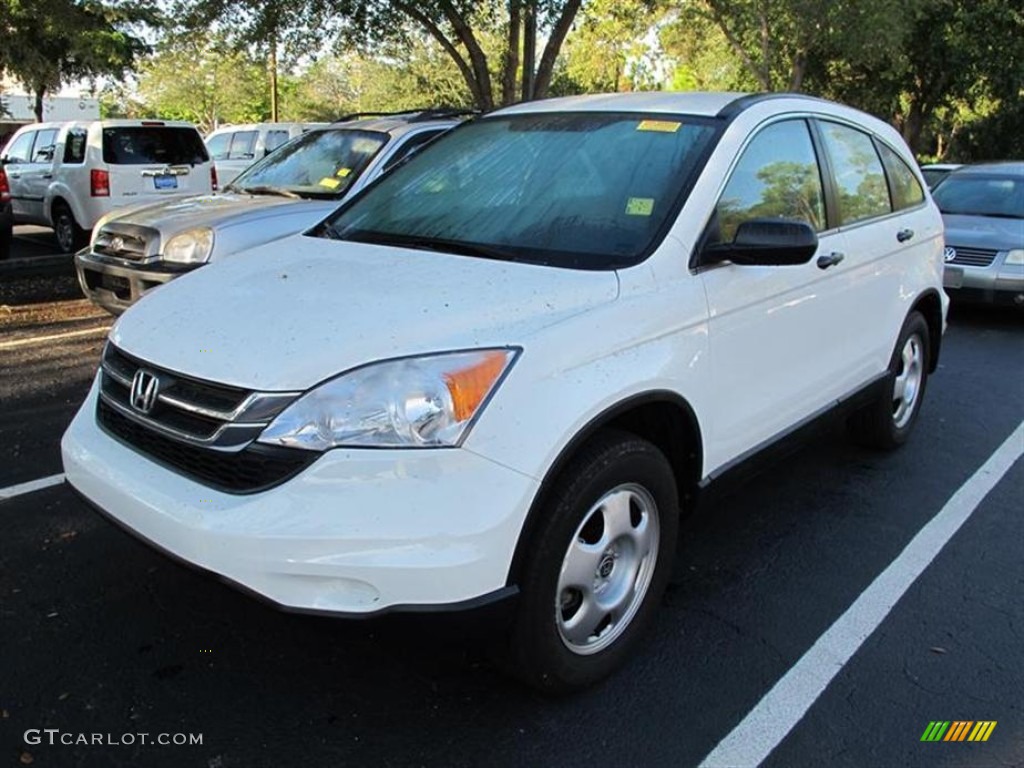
{"points": [[415, 115]]}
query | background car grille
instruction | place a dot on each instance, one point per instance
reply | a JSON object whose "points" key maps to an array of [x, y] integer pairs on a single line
{"points": [[204, 430], [135, 245], [973, 257]]}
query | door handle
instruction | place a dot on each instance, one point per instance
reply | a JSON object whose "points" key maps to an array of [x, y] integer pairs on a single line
{"points": [[47, 175], [830, 260], [14, 175], [904, 234]]}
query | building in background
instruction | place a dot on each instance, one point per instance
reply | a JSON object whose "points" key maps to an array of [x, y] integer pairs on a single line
{"points": [[16, 109]]}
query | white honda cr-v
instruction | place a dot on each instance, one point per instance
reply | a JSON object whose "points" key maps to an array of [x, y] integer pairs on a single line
{"points": [[507, 368]]}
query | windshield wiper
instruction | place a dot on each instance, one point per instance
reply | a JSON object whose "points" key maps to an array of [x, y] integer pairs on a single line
{"points": [[420, 242], [268, 190]]}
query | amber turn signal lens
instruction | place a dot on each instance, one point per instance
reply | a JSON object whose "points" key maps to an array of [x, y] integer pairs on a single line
{"points": [[469, 386]]}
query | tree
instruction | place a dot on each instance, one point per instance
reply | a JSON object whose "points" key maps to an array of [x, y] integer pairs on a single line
{"points": [[608, 48], [459, 27], [199, 77], [49, 43]]}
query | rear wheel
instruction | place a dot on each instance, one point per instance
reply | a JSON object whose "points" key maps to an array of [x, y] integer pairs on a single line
{"points": [[6, 236], [598, 564], [70, 236], [887, 422]]}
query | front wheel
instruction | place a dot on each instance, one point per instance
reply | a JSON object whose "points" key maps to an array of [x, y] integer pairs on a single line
{"points": [[887, 422], [598, 564]]}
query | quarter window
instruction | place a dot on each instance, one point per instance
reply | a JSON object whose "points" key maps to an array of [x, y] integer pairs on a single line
{"points": [[860, 180], [217, 146], [776, 177], [903, 184], [74, 146]]}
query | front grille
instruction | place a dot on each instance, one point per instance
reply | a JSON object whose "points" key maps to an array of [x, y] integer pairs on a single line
{"points": [[973, 257], [193, 424], [137, 244], [256, 468]]}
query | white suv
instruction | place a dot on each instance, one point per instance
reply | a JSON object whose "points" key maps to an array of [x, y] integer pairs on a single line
{"points": [[68, 175], [509, 366], [235, 147]]}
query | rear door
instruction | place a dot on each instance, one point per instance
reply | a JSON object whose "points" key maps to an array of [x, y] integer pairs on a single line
{"points": [[154, 160]]}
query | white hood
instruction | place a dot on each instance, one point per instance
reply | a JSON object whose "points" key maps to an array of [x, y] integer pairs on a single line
{"points": [[292, 313]]}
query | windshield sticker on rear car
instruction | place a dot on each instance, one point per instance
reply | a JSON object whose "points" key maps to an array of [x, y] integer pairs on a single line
{"points": [[639, 206], [343, 172], [329, 182], [661, 126]]}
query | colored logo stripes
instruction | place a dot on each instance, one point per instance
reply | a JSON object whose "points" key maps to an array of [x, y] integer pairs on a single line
{"points": [[958, 730]]}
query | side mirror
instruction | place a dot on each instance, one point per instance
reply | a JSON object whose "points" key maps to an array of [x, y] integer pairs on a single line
{"points": [[766, 242]]}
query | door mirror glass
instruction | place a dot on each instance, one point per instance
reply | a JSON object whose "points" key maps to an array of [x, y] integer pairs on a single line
{"points": [[766, 242]]}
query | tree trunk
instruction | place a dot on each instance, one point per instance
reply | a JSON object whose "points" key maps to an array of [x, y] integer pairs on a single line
{"points": [[529, 49], [554, 45], [273, 80], [912, 127], [511, 63], [477, 57], [37, 107]]}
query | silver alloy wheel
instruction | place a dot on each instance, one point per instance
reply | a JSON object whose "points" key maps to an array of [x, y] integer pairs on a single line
{"points": [[907, 385], [607, 569], [64, 229]]}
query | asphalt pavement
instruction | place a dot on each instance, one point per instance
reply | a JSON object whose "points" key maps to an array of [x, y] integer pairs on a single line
{"points": [[100, 635]]}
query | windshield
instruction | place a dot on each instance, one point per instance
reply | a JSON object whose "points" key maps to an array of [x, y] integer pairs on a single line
{"points": [[321, 164], [970, 195], [580, 190]]}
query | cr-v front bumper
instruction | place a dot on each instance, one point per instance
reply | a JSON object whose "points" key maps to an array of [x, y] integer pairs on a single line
{"points": [[357, 532]]}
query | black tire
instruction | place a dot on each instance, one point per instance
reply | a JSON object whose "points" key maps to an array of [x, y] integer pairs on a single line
{"points": [[70, 237], [631, 474], [886, 423], [6, 236]]}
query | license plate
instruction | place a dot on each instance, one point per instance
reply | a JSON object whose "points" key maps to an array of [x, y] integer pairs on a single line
{"points": [[953, 277], [165, 182]]}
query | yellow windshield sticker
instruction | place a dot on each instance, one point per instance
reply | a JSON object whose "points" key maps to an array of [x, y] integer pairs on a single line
{"points": [[330, 183], [661, 126], [343, 172], [639, 206]]}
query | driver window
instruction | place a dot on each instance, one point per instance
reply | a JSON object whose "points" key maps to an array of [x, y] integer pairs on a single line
{"points": [[777, 177]]}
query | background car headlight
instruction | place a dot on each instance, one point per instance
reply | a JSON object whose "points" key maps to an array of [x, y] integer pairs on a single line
{"points": [[190, 247], [427, 401], [1014, 257]]}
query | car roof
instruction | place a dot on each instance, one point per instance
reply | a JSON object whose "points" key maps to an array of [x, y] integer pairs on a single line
{"points": [[1003, 168], [941, 166], [690, 103], [395, 124]]}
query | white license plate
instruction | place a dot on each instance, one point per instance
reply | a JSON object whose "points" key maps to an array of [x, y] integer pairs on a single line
{"points": [[953, 277], [165, 182]]}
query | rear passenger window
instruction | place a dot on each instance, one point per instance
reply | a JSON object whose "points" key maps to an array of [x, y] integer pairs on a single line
{"points": [[777, 177], [243, 146], [904, 188], [74, 146], [42, 150], [859, 177]]}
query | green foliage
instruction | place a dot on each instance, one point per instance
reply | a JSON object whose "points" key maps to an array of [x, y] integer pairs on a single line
{"points": [[607, 52], [201, 78], [49, 43]]}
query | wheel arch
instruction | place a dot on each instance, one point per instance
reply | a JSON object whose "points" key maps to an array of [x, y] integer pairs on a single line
{"points": [[662, 417], [929, 304]]}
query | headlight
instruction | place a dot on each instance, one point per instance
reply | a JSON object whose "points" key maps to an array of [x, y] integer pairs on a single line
{"points": [[190, 247], [1015, 257], [416, 402]]}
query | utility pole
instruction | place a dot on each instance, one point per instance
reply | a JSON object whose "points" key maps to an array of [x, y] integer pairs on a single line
{"points": [[273, 79]]}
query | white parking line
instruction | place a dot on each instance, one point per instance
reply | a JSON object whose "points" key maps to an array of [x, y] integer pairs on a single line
{"points": [[30, 486], [53, 337], [768, 723]]}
